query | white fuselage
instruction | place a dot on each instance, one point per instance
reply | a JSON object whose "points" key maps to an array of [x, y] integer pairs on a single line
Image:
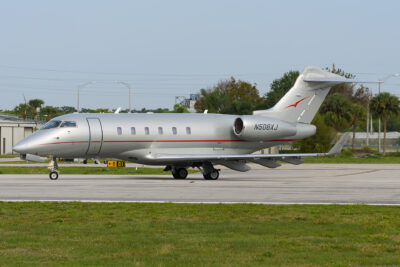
{"points": [[135, 137]]}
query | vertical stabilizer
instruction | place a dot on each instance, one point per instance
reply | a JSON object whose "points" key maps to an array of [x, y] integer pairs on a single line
{"points": [[302, 101]]}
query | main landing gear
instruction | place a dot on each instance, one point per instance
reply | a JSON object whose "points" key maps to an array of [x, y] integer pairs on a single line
{"points": [[179, 173], [207, 169], [214, 175], [53, 167], [209, 172]]}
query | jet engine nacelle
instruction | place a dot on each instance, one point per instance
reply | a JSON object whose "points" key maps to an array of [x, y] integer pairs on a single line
{"points": [[258, 128]]}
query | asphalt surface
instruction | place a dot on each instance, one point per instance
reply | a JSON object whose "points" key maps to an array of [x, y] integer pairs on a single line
{"points": [[307, 183]]}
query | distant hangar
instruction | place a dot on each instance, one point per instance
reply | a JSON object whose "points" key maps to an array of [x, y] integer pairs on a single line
{"points": [[13, 129]]}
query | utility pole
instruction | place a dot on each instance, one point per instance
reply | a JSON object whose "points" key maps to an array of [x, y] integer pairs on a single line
{"points": [[79, 92], [379, 119], [127, 85], [367, 126]]}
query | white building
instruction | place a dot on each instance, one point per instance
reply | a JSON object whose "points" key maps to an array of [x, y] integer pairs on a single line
{"points": [[189, 102], [13, 129]]}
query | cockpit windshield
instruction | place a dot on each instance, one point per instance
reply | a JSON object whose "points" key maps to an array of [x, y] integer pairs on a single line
{"points": [[56, 124], [50, 125], [68, 124]]}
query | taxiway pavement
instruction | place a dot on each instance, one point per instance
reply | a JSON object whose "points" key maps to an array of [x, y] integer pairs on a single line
{"points": [[307, 183]]}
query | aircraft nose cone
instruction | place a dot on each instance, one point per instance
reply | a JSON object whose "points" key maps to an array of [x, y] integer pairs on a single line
{"points": [[22, 147]]}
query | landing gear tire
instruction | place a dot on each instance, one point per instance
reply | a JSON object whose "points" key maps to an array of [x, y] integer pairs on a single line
{"points": [[180, 173], [212, 175], [53, 167], [53, 175]]}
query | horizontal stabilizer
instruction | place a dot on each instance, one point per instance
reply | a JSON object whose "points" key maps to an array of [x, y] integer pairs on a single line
{"points": [[336, 80]]}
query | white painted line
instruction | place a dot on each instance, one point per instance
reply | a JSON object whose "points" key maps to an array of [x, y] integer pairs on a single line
{"points": [[198, 202]]}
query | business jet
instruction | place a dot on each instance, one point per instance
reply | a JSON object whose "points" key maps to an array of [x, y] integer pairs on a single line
{"points": [[182, 141]]}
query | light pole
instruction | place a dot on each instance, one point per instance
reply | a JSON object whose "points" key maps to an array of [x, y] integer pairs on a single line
{"points": [[79, 92], [129, 92], [368, 115], [379, 118]]}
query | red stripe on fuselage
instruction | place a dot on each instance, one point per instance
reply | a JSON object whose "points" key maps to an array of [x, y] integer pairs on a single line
{"points": [[58, 143]]}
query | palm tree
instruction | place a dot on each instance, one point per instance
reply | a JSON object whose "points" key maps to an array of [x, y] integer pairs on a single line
{"points": [[337, 112], [21, 110], [35, 104], [357, 113], [48, 112], [385, 105]]}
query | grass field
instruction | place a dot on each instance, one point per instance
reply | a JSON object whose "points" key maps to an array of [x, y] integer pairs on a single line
{"points": [[9, 156], [100, 234], [365, 160], [84, 170]]}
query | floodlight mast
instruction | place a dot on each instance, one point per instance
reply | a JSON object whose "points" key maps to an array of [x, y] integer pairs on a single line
{"points": [[127, 85], [382, 80], [79, 92]]}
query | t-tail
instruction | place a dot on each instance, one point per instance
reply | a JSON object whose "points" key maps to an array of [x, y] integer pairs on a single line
{"points": [[302, 101]]}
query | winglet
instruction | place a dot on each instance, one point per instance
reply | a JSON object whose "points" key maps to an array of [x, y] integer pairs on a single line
{"points": [[337, 148]]}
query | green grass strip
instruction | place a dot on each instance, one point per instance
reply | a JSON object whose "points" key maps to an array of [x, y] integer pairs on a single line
{"points": [[99, 234], [365, 160], [83, 170]]}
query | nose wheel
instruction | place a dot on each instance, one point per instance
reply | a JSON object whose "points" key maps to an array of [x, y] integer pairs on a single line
{"points": [[53, 175], [53, 167]]}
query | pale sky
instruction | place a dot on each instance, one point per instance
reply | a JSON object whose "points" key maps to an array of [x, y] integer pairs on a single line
{"points": [[173, 48]]}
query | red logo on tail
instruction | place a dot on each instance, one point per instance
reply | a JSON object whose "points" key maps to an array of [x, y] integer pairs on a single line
{"points": [[295, 104]]}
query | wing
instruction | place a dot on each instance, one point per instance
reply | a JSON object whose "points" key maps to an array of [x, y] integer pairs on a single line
{"points": [[290, 158]]}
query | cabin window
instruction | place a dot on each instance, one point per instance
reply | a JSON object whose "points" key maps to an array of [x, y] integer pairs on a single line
{"points": [[174, 131], [146, 130], [133, 131], [119, 130], [188, 131], [160, 130]]}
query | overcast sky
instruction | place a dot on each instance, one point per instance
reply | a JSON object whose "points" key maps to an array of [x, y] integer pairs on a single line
{"points": [[173, 48]]}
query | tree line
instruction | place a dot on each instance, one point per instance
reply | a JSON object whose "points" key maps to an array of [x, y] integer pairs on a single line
{"points": [[36, 110], [346, 107]]}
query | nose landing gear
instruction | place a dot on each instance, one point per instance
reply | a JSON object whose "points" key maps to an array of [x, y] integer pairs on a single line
{"points": [[53, 175], [53, 167]]}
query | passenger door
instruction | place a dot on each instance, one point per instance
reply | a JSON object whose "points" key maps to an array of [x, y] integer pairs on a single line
{"points": [[95, 136]]}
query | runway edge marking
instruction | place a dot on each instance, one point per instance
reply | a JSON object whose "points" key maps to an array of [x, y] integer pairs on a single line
{"points": [[199, 202]]}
